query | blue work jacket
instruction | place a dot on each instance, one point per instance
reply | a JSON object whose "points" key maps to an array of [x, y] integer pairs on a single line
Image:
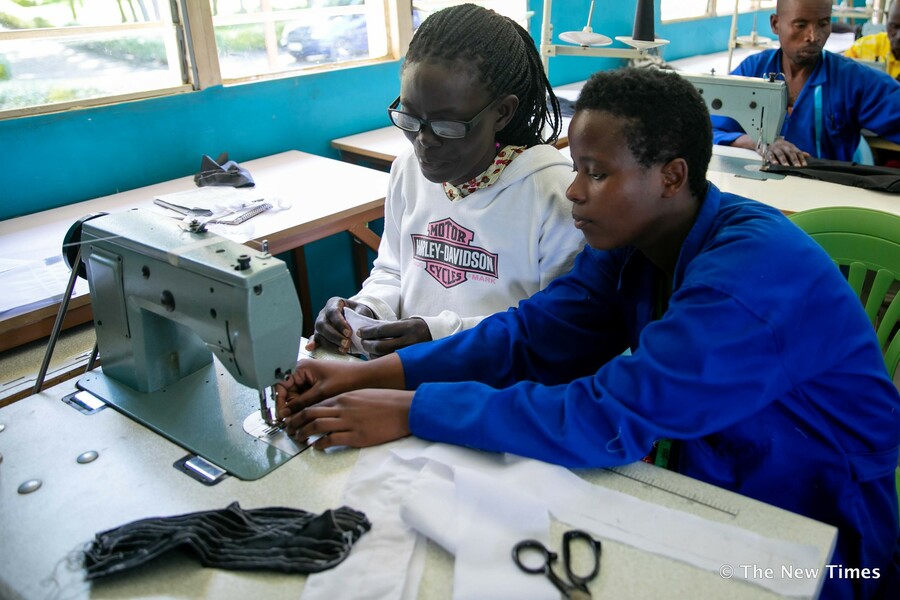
{"points": [[763, 367], [852, 97]]}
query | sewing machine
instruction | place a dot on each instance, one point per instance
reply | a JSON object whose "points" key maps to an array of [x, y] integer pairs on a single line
{"points": [[758, 105], [193, 330]]}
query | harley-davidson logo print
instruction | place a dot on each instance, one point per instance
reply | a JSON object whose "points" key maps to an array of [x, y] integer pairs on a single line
{"points": [[449, 255]]}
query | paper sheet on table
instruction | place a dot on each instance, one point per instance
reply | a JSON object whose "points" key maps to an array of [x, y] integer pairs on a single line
{"points": [[30, 285], [211, 199], [7, 264]]}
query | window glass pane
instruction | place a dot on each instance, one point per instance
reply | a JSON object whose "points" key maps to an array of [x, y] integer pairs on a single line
{"points": [[514, 9], [267, 36], [672, 10], [53, 52], [726, 7]]}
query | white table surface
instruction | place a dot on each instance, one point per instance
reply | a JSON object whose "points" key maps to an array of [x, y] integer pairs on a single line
{"points": [[133, 478], [323, 196], [317, 189], [795, 194], [386, 143], [791, 194]]}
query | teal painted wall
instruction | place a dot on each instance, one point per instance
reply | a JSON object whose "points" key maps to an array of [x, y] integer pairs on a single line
{"points": [[687, 38], [58, 159]]}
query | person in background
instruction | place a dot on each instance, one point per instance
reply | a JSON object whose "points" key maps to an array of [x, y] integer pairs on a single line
{"points": [[475, 216], [750, 353], [883, 46], [831, 98]]}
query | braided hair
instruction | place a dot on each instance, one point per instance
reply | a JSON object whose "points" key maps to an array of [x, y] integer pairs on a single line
{"points": [[507, 60]]}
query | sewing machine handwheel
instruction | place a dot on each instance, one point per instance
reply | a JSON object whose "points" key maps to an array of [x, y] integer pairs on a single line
{"points": [[72, 240]]}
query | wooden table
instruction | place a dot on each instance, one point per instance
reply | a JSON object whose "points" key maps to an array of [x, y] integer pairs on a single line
{"points": [[789, 194], [379, 147], [794, 194], [324, 196]]}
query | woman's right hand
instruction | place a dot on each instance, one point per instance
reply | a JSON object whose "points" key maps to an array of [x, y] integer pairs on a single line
{"points": [[332, 330], [315, 380], [311, 382]]}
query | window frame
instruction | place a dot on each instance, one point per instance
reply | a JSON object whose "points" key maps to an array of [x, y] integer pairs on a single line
{"points": [[198, 56]]}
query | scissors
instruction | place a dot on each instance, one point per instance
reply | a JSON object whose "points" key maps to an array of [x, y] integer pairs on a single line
{"points": [[576, 588]]}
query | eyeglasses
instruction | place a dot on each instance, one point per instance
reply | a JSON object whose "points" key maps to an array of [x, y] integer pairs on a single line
{"points": [[449, 129]]}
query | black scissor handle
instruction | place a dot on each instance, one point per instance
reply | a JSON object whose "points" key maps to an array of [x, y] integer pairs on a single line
{"points": [[547, 556], [569, 539]]}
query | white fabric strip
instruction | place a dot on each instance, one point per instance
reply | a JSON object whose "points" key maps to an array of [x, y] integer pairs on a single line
{"points": [[493, 518], [478, 505], [605, 513], [386, 563]]}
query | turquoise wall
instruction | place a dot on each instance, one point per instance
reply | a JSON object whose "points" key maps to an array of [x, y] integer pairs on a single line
{"points": [[687, 38], [58, 159]]}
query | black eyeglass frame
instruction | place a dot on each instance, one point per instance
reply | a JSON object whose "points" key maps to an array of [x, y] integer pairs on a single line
{"points": [[467, 125]]}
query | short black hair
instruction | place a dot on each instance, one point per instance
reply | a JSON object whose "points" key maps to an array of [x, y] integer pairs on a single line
{"points": [[665, 117], [507, 61], [783, 4]]}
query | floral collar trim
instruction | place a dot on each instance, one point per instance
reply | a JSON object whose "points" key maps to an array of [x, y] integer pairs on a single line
{"points": [[487, 178]]}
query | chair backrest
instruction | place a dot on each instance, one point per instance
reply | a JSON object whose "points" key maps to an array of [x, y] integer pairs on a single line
{"points": [[865, 243]]}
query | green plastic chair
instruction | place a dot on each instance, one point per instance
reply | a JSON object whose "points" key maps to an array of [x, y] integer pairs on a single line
{"points": [[867, 244], [864, 242]]}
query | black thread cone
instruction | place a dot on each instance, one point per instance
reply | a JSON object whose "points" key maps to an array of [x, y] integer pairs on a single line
{"points": [[643, 21]]}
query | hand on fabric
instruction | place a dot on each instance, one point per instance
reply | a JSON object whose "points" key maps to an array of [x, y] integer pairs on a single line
{"points": [[312, 381], [357, 419], [317, 380], [332, 329], [389, 336], [782, 152]]}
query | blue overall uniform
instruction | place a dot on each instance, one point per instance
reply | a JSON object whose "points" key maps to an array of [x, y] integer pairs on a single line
{"points": [[841, 96], [763, 367]]}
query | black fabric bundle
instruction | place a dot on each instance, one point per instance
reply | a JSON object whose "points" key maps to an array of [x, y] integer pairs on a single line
{"points": [[883, 179], [222, 172], [267, 539]]}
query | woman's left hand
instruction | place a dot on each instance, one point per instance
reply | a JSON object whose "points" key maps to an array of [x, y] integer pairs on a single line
{"points": [[359, 418], [390, 336]]}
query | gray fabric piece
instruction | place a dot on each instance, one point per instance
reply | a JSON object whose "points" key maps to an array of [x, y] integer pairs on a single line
{"points": [[883, 179], [222, 172], [268, 539]]}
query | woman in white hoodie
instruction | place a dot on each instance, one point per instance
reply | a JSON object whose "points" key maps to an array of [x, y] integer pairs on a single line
{"points": [[476, 216]]}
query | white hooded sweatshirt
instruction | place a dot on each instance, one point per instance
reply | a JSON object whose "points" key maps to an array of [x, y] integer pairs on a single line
{"points": [[454, 263]]}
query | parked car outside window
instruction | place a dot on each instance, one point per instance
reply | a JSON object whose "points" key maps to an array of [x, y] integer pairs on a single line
{"points": [[333, 38]]}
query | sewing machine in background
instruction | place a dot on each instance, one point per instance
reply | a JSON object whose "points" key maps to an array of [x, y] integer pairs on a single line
{"points": [[758, 105], [193, 330]]}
